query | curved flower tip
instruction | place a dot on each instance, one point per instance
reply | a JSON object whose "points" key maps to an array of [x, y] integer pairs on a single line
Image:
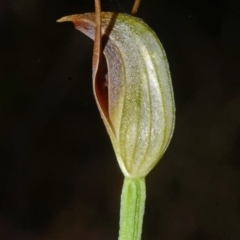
{"points": [[137, 105], [63, 19]]}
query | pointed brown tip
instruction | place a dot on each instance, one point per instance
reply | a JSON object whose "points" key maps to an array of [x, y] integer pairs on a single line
{"points": [[65, 19]]}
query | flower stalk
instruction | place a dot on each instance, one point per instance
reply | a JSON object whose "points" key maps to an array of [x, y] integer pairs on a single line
{"points": [[132, 208]]}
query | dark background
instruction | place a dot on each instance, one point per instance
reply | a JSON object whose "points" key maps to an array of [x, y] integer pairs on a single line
{"points": [[59, 178]]}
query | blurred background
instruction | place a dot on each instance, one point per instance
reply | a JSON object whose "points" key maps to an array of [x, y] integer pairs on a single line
{"points": [[59, 178]]}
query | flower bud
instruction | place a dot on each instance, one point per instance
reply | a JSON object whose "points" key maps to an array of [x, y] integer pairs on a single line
{"points": [[137, 106]]}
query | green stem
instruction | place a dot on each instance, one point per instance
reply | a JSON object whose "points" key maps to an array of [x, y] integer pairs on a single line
{"points": [[132, 208]]}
